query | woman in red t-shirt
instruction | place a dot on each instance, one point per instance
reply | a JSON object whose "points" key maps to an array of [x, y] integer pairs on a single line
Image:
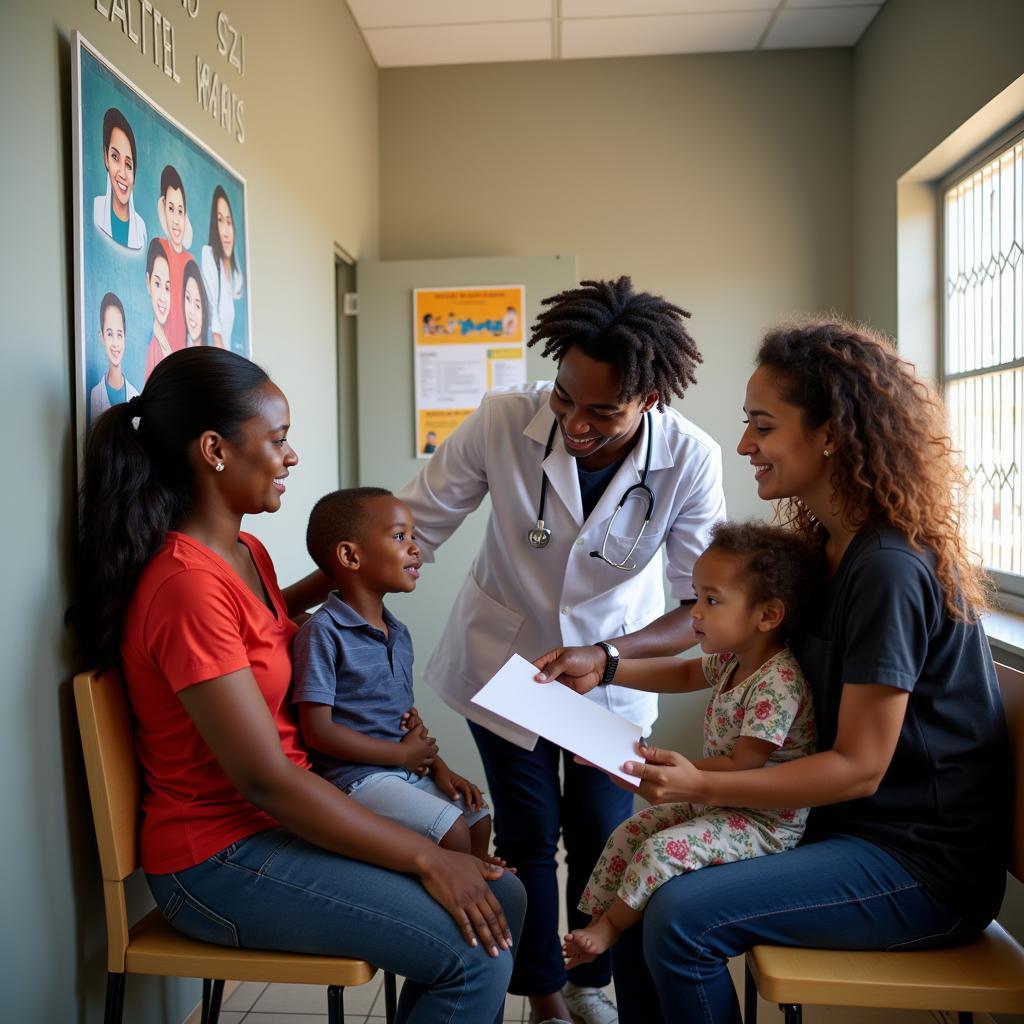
{"points": [[242, 845]]}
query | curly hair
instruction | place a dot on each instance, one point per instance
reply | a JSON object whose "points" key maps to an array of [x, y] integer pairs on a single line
{"points": [[643, 335], [777, 563], [340, 515], [894, 462]]}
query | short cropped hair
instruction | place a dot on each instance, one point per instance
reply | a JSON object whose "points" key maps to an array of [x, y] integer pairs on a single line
{"points": [[777, 564], [170, 178], [340, 515], [108, 300]]}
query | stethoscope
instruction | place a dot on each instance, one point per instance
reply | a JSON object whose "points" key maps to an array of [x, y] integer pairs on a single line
{"points": [[540, 535]]}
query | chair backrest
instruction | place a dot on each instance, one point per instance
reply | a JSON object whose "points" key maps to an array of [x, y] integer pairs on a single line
{"points": [[115, 791], [1011, 686]]}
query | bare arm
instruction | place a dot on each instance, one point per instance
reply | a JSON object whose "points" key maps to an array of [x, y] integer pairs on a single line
{"points": [[322, 733], [661, 675], [305, 593], [233, 719], [582, 667], [870, 719], [748, 753]]}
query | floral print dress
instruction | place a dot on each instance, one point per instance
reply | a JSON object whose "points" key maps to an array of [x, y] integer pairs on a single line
{"points": [[664, 840]]}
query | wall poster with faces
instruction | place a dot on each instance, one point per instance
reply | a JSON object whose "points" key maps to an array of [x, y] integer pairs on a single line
{"points": [[161, 240]]}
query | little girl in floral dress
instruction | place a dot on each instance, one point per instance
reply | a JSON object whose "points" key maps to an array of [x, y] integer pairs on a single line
{"points": [[751, 584]]}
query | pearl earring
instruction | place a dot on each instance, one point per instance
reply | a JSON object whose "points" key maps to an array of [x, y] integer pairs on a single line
{"points": [[219, 467], [826, 453]]}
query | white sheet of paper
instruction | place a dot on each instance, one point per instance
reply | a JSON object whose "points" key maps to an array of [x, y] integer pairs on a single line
{"points": [[562, 716]]}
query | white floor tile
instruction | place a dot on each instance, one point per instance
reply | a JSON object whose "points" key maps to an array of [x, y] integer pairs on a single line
{"points": [[309, 999], [228, 1017], [290, 1018], [244, 996]]}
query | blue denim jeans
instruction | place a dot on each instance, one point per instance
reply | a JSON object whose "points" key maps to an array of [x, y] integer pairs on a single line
{"points": [[839, 893], [276, 891], [532, 806]]}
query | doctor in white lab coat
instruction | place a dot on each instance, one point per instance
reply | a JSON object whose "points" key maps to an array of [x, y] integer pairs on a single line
{"points": [[589, 434]]}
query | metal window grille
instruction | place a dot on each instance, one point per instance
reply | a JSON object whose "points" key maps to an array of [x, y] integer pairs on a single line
{"points": [[983, 351]]}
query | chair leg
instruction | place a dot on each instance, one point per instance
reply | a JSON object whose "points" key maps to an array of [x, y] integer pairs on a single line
{"points": [[114, 1009], [335, 1004], [390, 998], [213, 993], [965, 1018], [749, 996], [792, 1013]]}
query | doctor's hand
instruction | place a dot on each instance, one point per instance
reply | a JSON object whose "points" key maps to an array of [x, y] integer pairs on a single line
{"points": [[579, 668], [665, 776]]}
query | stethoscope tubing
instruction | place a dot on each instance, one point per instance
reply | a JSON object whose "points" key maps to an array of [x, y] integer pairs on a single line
{"points": [[540, 535]]}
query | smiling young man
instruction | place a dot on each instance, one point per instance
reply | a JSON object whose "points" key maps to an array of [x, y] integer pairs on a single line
{"points": [[561, 568]]}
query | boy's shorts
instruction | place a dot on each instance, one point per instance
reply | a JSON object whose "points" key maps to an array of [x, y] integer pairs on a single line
{"points": [[414, 801]]}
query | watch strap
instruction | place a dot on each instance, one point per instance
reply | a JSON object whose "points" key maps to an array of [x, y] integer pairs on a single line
{"points": [[611, 665]]}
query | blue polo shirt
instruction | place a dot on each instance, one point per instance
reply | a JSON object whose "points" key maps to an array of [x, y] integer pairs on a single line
{"points": [[366, 677]]}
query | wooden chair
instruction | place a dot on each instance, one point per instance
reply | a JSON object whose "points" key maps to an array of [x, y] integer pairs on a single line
{"points": [[152, 946], [985, 976]]}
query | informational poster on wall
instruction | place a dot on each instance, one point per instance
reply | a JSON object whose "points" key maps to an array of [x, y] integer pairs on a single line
{"points": [[466, 341], [161, 240]]}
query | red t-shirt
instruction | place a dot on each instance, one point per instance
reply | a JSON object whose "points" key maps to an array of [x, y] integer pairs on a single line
{"points": [[191, 619]]}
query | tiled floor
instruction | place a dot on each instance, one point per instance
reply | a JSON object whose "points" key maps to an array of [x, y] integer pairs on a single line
{"points": [[256, 1003]]}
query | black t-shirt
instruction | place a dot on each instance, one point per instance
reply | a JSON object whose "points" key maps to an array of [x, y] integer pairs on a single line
{"points": [[594, 482], [943, 808]]}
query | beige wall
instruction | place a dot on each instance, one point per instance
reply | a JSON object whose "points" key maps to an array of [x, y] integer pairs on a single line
{"points": [[921, 70], [721, 182], [310, 160]]}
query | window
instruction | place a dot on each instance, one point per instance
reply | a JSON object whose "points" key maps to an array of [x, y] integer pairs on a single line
{"points": [[983, 350]]}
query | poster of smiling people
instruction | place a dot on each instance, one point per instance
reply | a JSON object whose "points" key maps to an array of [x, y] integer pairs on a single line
{"points": [[161, 259]]}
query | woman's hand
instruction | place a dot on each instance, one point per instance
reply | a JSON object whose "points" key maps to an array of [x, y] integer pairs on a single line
{"points": [[665, 776], [458, 881], [579, 668], [455, 786]]}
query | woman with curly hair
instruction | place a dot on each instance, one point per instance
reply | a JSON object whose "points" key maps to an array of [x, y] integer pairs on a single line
{"points": [[906, 839]]}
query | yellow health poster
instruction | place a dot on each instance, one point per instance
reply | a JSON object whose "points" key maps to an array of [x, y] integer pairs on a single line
{"points": [[466, 342]]}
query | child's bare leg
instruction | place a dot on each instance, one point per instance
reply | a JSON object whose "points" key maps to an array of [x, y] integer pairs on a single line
{"points": [[480, 838], [584, 944], [457, 838]]}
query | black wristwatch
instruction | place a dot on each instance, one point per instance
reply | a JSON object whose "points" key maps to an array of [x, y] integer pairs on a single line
{"points": [[611, 665]]}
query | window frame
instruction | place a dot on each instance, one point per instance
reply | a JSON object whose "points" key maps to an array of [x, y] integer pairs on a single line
{"points": [[1010, 586]]}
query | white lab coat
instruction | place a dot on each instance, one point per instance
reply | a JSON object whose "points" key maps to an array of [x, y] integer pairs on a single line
{"points": [[519, 599], [101, 218]]}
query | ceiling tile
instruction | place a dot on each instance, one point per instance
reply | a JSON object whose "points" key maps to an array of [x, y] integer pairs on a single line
{"points": [[819, 26], [830, 3], [460, 44], [620, 8], [390, 13], [678, 33]]}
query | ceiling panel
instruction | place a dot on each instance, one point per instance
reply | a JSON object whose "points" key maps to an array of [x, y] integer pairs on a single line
{"points": [[387, 13], [830, 3], [656, 34], [819, 26], [460, 44], [621, 8]]}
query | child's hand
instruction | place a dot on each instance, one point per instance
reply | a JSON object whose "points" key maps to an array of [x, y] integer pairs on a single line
{"points": [[666, 776], [411, 720], [456, 786], [418, 749]]}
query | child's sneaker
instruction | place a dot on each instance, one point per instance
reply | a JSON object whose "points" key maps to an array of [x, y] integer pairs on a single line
{"points": [[589, 1005]]}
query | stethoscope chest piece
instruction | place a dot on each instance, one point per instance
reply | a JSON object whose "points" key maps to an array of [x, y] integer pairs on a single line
{"points": [[539, 536]]}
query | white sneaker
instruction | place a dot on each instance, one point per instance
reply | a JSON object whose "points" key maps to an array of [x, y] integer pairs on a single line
{"points": [[589, 1005]]}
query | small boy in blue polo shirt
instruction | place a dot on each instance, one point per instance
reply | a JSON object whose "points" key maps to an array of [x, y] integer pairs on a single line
{"points": [[353, 676]]}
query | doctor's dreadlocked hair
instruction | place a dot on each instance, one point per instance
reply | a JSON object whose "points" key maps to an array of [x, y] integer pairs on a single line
{"points": [[644, 335]]}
